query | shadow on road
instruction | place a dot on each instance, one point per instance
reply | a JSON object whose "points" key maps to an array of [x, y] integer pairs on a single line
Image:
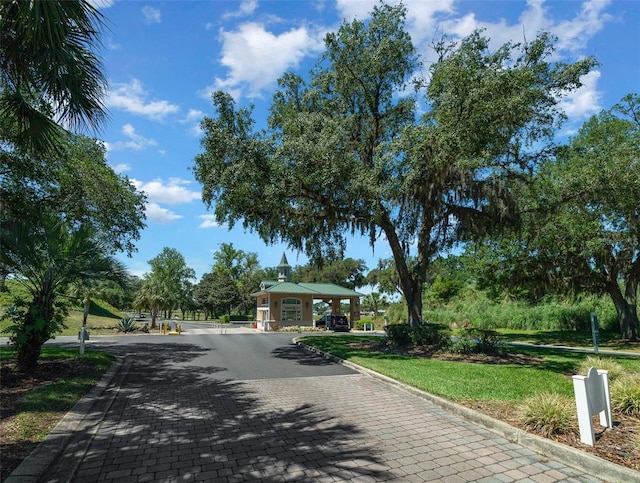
{"points": [[176, 422], [301, 356]]}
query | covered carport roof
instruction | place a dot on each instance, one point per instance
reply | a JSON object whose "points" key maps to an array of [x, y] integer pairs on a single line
{"points": [[317, 290]]}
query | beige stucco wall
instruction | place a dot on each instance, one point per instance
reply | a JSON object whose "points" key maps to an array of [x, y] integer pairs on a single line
{"points": [[274, 308]]}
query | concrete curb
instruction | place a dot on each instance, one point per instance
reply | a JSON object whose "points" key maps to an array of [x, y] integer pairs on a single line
{"points": [[51, 450], [580, 460]]}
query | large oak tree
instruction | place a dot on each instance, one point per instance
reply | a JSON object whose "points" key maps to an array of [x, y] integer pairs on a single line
{"points": [[346, 150], [582, 231]]}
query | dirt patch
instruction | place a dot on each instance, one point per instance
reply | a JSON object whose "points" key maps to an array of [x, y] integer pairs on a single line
{"points": [[620, 445]]}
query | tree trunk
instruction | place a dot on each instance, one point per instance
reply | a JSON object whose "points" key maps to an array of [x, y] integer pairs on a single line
{"points": [[85, 313], [33, 334], [411, 288], [626, 309]]}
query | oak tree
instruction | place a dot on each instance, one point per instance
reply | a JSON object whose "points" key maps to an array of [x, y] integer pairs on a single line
{"points": [[347, 151]]}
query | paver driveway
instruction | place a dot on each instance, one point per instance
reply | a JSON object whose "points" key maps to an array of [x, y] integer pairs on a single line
{"points": [[172, 418]]}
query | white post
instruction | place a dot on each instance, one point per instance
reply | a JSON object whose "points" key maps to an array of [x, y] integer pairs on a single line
{"points": [[82, 336], [592, 397]]}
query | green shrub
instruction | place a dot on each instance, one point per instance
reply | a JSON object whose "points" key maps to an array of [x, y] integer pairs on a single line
{"points": [[474, 341], [225, 319], [625, 394], [127, 324], [548, 414], [614, 369], [404, 335], [426, 335], [461, 344], [398, 334]]}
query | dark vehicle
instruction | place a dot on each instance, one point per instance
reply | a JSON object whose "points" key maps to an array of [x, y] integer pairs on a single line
{"points": [[335, 323]]}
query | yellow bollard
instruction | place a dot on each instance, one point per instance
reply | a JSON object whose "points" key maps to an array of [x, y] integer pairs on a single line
{"points": [[179, 329], [164, 328]]}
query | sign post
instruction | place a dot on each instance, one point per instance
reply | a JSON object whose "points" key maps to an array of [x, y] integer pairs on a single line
{"points": [[592, 397], [82, 336], [594, 331]]}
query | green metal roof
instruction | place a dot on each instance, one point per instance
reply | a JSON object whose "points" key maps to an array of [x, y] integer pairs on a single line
{"points": [[318, 290]]}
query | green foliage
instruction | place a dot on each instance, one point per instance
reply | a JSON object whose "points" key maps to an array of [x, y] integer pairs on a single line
{"points": [[49, 70], [461, 344], [549, 414], [345, 153], [473, 341], [614, 369], [443, 289], [126, 324], [476, 308], [228, 287], [625, 394], [403, 335], [398, 335], [582, 231], [345, 272]]}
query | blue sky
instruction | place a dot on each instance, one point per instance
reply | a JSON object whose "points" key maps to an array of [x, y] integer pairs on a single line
{"points": [[164, 59]]}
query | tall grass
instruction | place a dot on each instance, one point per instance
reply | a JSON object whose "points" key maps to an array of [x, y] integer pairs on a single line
{"points": [[472, 307]]}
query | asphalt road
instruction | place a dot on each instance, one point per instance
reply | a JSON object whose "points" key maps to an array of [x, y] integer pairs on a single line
{"points": [[235, 353], [230, 356]]}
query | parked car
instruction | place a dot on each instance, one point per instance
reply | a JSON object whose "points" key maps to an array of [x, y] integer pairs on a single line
{"points": [[336, 323]]}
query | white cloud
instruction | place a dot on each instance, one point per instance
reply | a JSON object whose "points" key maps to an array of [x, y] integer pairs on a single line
{"points": [[131, 97], [584, 102], [209, 221], [136, 142], [159, 214], [574, 34], [256, 57], [150, 15], [111, 44], [193, 118], [121, 168], [246, 8], [194, 115], [349, 9], [174, 192]]}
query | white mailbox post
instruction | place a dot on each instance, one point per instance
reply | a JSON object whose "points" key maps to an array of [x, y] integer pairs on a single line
{"points": [[592, 397]]}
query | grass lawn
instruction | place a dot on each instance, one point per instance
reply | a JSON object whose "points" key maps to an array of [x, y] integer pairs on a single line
{"points": [[547, 370], [569, 338]]}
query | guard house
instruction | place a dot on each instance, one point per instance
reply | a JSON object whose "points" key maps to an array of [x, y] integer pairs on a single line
{"points": [[291, 303]]}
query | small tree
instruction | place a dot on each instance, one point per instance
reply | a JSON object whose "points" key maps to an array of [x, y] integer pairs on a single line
{"points": [[45, 259]]}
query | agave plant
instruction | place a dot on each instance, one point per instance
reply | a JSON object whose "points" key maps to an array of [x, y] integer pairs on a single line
{"points": [[127, 324]]}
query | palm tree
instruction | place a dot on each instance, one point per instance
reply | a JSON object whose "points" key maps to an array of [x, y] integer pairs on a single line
{"points": [[93, 286], [49, 72], [45, 258], [374, 300], [151, 295]]}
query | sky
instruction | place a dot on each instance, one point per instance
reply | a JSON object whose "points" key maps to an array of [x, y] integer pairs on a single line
{"points": [[163, 61]]}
